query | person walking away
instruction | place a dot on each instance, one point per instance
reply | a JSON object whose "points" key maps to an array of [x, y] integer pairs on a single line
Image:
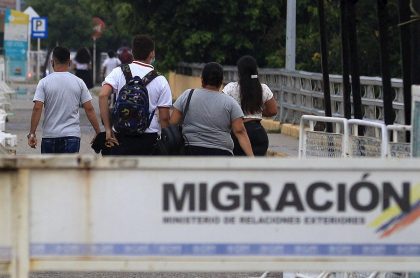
{"points": [[160, 101], [211, 118], [60, 93], [110, 63], [256, 101], [81, 63]]}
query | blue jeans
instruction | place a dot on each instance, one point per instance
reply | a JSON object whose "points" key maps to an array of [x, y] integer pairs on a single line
{"points": [[69, 144]]}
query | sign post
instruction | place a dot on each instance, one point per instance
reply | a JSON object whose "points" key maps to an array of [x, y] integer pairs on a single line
{"points": [[39, 30], [98, 27]]}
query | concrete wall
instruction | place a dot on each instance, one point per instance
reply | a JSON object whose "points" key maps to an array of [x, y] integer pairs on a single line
{"points": [[179, 83]]}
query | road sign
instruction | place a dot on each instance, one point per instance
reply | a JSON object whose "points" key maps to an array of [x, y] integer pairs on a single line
{"points": [[39, 27], [98, 27]]}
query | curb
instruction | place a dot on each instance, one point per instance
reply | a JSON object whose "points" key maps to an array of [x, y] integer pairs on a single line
{"points": [[272, 126]]}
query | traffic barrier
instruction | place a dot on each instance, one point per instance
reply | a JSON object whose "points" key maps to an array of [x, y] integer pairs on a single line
{"points": [[82, 213], [351, 138], [398, 145], [314, 141], [373, 142], [8, 143]]}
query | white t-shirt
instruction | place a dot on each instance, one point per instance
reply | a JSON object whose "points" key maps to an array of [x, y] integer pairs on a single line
{"points": [[80, 66], [232, 89], [159, 91], [61, 93], [110, 63]]}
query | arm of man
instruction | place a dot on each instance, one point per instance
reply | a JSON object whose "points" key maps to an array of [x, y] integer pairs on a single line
{"points": [[103, 72], [163, 116], [36, 116], [104, 94], [239, 131], [270, 108], [176, 117], [90, 113]]}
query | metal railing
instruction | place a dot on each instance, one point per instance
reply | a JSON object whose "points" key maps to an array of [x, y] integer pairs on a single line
{"points": [[299, 92], [351, 138]]}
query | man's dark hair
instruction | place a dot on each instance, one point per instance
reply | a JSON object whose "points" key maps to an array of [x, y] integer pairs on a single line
{"points": [[111, 54], [212, 74], [142, 46], [61, 54]]}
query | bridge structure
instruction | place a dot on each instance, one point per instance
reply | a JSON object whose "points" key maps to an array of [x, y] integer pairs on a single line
{"points": [[301, 93]]}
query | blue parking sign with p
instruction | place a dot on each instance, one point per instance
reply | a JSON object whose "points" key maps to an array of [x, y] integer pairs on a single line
{"points": [[39, 27]]}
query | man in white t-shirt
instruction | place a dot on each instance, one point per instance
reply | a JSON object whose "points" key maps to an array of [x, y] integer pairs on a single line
{"points": [[160, 101], [60, 93], [110, 63]]}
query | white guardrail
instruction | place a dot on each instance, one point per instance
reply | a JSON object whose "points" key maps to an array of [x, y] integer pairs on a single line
{"points": [[352, 138], [300, 93], [81, 213]]}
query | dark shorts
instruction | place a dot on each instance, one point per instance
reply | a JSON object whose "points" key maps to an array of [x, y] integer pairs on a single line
{"points": [[197, 151], [144, 144], [69, 144], [86, 76], [257, 136]]}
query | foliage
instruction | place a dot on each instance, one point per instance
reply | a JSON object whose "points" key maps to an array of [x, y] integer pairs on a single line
{"points": [[67, 22], [70, 22], [221, 31]]}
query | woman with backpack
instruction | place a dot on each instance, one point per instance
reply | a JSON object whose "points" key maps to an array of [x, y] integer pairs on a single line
{"points": [[256, 101]]}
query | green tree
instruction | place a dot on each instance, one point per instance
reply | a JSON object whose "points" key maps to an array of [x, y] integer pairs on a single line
{"points": [[211, 30]]}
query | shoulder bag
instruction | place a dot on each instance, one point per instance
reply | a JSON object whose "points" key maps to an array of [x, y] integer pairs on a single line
{"points": [[172, 141]]}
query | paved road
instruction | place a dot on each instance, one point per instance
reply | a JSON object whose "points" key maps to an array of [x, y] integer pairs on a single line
{"points": [[19, 124]]}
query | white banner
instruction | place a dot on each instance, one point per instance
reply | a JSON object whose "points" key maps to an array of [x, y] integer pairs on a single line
{"points": [[228, 208]]}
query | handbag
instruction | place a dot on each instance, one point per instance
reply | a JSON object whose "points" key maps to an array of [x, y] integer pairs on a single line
{"points": [[172, 141]]}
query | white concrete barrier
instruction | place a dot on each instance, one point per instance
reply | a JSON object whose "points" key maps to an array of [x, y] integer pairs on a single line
{"points": [[5, 219], [80, 213], [8, 143]]}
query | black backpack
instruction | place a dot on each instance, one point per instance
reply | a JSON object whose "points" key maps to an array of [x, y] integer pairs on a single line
{"points": [[131, 115]]}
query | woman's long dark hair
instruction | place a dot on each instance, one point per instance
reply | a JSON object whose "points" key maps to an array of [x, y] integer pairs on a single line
{"points": [[82, 56], [250, 88]]}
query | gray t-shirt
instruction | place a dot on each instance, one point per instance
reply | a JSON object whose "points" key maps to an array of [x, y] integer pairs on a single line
{"points": [[61, 93], [209, 118]]}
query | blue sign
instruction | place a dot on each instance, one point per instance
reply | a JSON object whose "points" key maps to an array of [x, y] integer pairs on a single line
{"points": [[39, 27]]}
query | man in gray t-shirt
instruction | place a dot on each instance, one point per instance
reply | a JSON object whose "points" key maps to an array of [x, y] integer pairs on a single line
{"points": [[211, 117], [61, 94]]}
